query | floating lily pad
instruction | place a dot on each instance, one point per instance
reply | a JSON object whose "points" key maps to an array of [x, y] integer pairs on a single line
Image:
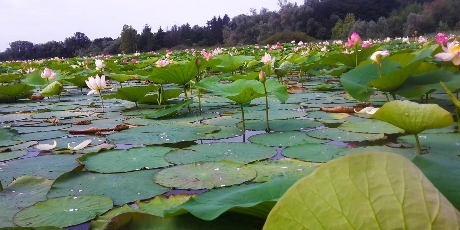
{"points": [[341, 135], [250, 199], [285, 139], [63, 211], [408, 153], [372, 186], [121, 187], [283, 125], [6, 136], [103, 221], [33, 129], [161, 134], [283, 168], [159, 204], [204, 175], [314, 152], [223, 133], [4, 156], [370, 126], [126, 160], [238, 152], [59, 115], [438, 143], [323, 116], [272, 115], [21, 193], [223, 121], [49, 167], [38, 136]]}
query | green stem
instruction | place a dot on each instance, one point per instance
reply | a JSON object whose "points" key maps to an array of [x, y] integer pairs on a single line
{"points": [[102, 100], [266, 108], [457, 111], [1, 186], [186, 98], [356, 56], [244, 125], [386, 95], [394, 96], [199, 100], [418, 144]]}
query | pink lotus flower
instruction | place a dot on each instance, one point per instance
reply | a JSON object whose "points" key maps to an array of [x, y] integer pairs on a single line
{"points": [[48, 74], [441, 38], [354, 40], [134, 60], [267, 59], [451, 53], [366, 44], [125, 60]]}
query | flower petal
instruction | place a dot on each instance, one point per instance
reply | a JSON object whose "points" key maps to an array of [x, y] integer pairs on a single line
{"points": [[444, 56], [46, 147], [79, 146]]}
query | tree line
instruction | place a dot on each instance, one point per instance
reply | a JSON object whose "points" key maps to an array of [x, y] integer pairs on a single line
{"points": [[314, 19]]}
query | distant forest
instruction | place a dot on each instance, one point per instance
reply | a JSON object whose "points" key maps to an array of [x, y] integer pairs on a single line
{"points": [[313, 20]]}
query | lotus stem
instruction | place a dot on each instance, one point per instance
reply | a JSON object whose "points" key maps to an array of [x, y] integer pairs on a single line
{"points": [[418, 144], [1, 186], [102, 100], [457, 112], [186, 98], [266, 108], [244, 125], [386, 95], [356, 56], [199, 100]]}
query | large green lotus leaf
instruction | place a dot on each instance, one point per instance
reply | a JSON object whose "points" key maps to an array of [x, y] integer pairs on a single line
{"points": [[255, 199], [121, 187], [50, 167], [414, 117], [447, 144], [78, 81], [356, 80], [418, 85], [393, 80], [284, 139], [15, 90], [280, 91], [4, 156], [349, 60], [204, 175], [272, 115], [314, 152], [126, 160], [283, 125], [179, 74], [103, 221], [341, 135], [162, 134], [159, 204], [21, 193], [408, 153], [55, 88], [63, 211], [144, 221], [34, 79], [238, 152], [33, 129], [364, 191], [370, 126], [133, 93], [240, 91], [120, 77], [444, 172], [182, 118], [38, 136], [11, 99], [170, 110], [9, 77], [230, 63], [283, 168]]}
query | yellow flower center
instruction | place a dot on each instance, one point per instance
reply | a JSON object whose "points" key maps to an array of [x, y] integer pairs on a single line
{"points": [[455, 49]]}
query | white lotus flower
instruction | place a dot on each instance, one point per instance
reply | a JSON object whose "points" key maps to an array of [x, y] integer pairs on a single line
{"points": [[368, 110], [99, 64], [46, 147], [96, 84], [79, 146], [379, 55]]}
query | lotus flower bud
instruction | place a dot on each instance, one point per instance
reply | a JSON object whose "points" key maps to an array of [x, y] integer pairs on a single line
{"points": [[198, 62], [262, 76]]}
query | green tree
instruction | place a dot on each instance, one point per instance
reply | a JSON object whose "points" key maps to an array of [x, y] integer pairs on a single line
{"points": [[128, 39], [146, 39]]}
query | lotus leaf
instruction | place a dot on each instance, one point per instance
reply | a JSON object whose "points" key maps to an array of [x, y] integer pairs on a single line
{"points": [[159, 204], [314, 152], [133, 94], [55, 88], [204, 175], [284, 168], [341, 135], [364, 190], [63, 211], [284, 139], [15, 90]]}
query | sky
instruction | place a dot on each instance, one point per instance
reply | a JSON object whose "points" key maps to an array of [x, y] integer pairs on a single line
{"points": [[40, 21]]}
